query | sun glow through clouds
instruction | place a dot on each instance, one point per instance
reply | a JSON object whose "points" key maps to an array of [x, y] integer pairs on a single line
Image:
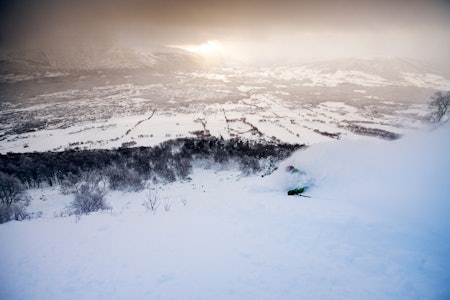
{"points": [[208, 48]]}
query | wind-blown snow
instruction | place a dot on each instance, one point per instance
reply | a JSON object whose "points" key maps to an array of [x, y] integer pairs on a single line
{"points": [[376, 227]]}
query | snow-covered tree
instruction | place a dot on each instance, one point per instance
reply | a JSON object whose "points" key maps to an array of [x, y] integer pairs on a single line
{"points": [[440, 105]]}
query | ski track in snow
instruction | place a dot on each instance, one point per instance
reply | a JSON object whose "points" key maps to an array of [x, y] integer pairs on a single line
{"points": [[376, 227]]}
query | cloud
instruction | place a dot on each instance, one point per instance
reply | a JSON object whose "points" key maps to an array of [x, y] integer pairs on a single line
{"points": [[276, 28]]}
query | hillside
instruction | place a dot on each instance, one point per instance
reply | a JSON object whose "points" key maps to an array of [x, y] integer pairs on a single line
{"points": [[375, 227]]}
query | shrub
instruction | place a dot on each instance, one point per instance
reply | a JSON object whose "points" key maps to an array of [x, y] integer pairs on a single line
{"points": [[12, 199], [68, 183], [15, 211], [152, 200], [11, 189], [88, 198], [124, 179]]}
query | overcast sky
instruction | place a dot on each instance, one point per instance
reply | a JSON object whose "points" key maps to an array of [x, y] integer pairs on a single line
{"points": [[251, 29]]}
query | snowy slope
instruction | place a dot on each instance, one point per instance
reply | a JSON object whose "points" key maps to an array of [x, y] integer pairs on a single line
{"points": [[376, 227]]}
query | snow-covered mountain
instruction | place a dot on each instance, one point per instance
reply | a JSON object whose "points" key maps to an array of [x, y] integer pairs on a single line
{"points": [[389, 68], [373, 72], [110, 55], [97, 58]]}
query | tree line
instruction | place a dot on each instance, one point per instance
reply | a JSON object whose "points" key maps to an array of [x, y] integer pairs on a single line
{"points": [[89, 173], [167, 162]]}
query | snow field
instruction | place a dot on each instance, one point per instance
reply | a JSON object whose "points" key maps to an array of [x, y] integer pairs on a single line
{"points": [[288, 121]]}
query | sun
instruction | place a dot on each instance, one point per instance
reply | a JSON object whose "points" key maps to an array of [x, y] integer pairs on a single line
{"points": [[206, 49]]}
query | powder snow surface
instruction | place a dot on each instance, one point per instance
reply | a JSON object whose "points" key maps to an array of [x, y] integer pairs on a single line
{"points": [[376, 227]]}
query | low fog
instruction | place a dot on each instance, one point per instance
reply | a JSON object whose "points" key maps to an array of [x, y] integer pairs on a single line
{"points": [[249, 31]]}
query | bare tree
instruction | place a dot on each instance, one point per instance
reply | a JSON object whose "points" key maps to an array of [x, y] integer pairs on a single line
{"points": [[440, 104], [152, 200]]}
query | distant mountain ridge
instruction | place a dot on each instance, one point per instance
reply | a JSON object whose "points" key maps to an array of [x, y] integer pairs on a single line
{"points": [[92, 58], [388, 68], [27, 65]]}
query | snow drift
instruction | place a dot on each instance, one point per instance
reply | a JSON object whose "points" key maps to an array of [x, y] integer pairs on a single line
{"points": [[407, 179]]}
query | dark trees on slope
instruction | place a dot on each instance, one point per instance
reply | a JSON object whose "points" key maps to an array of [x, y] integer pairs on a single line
{"points": [[127, 168]]}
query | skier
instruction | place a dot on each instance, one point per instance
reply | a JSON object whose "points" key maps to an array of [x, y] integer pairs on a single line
{"points": [[298, 177]]}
